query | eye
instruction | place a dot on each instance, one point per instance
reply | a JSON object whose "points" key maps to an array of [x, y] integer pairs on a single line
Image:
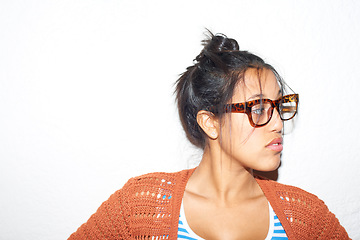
{"points": [[258, 110]]}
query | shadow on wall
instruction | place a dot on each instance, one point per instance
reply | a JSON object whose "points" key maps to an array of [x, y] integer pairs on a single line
{"points": [[273, 175]]}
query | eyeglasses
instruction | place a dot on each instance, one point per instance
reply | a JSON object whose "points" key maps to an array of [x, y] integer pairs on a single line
{"points": [[260, 111]]}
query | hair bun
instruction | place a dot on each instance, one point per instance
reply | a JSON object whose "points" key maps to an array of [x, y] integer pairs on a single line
{"points": [[216, 44], [220, 43]]}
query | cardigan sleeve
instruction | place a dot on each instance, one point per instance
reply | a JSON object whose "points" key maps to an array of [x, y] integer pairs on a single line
{"points": [[330, 225], [110, 221]]}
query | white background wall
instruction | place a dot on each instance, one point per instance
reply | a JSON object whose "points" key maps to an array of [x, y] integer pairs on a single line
{"points": [[86, 99]]}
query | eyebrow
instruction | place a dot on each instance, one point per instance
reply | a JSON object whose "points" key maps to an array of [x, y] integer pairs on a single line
{"points": [[259, 95]]}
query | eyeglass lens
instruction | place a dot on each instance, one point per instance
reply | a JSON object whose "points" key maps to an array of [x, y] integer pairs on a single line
{"points": [[287, 109]]}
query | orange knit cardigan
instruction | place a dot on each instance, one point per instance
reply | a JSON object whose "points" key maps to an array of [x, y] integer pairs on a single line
{"points": [[148, 207]]}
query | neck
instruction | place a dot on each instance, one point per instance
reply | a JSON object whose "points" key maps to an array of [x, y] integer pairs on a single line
{"points": [[223, 179]]}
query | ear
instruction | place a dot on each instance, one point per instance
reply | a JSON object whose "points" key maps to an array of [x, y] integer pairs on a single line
{"points": [[208, 123]]}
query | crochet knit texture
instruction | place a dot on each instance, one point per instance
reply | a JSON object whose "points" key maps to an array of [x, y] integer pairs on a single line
{"points": [[148, 207]]}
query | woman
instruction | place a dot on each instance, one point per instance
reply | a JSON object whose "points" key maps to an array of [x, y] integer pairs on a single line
{"points": [[232, 105]]}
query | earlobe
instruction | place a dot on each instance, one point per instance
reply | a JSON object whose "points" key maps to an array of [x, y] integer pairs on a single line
{"points": [[208, 123]]}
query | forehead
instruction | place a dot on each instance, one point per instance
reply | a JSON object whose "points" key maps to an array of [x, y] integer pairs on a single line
{"points": [[256, 82]]}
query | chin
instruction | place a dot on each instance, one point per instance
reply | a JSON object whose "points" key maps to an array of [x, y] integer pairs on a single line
{"points": [[270, 165]]}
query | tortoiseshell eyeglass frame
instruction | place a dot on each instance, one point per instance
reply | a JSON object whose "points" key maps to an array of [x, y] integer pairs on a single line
{"points": [[246, 107]]}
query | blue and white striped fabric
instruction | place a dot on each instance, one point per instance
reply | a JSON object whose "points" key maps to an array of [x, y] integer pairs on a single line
{"points": [[276, 230], [184, 231], [185, 234]]}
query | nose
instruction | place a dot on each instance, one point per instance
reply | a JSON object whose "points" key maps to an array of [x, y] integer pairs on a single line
{"points": [[276, 123]]}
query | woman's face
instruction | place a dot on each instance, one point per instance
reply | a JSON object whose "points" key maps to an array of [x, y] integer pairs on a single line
{"points": [[246, 146]]}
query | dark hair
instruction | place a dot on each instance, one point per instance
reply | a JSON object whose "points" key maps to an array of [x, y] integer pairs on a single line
{"points": [[209, 83]]}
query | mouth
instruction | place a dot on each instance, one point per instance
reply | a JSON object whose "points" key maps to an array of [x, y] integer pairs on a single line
{"points": [[275, 145]]}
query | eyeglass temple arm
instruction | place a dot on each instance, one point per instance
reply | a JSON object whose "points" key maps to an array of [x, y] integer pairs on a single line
{"points": [[236, 108]]}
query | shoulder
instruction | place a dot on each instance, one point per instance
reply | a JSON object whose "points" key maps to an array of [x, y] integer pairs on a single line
{"points": [[303, 214], [142, 201], [153, 184], [287, 196], [158, 179], [145, 192]]}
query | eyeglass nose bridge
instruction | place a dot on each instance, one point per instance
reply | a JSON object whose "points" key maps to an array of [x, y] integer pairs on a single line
{"points": [[276, 104]]}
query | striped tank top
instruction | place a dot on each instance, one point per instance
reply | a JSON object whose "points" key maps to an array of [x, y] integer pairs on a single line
{"points": [[276, 230]]}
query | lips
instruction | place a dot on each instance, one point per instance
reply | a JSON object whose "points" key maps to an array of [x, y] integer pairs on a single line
{"points": [[275, 145]]}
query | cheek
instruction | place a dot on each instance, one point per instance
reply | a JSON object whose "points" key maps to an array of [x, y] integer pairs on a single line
{"points": [[253, 142], [237, 131]]}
